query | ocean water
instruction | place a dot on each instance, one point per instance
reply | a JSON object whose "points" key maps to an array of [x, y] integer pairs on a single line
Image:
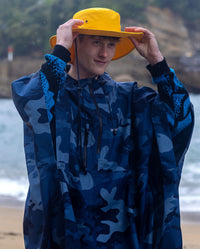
{"points": [[13, 176]]}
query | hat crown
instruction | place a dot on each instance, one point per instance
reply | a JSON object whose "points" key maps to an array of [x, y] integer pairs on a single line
{"points": [[99, 19]]}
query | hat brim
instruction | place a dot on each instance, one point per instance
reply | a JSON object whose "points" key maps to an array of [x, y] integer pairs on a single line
{"points": [[123, 47]]}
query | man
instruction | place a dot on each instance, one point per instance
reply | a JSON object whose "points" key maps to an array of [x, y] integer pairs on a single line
{"points": [[104, 158]]}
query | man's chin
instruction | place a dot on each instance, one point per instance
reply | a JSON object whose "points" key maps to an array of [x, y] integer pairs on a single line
{"points": [[100, 71]]}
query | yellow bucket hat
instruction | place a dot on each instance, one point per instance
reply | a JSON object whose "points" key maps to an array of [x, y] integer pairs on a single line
{"points": [[103, 22]]}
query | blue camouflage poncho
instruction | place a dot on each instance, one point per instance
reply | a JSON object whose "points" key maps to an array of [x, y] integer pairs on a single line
{"points": [[104, 159]]}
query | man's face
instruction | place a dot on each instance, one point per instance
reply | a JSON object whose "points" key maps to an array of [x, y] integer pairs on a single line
{"points": [[94, 54]]}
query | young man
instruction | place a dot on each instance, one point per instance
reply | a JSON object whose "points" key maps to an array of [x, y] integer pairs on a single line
{"points": [[104, 158]]}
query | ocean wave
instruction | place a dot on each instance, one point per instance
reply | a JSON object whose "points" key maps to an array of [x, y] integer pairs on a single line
{"points": [[14, 188], [190, 203]]}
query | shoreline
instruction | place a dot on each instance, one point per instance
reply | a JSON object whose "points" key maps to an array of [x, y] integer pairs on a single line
{"points": [[187, 217], [190, 218], [11, 202], [11, 226]]}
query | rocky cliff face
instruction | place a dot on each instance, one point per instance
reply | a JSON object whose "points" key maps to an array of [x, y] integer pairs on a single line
{"points": [[171, 31], [178, 43]]}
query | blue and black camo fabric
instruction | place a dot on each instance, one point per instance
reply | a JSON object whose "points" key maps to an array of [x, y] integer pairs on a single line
{"points": [[104, 160]]}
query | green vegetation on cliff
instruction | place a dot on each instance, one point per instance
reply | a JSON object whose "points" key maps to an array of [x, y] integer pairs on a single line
{"points": [[27, 24]]}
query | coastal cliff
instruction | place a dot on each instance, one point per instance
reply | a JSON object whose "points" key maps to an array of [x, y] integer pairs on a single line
{"points": [[179, 43]]}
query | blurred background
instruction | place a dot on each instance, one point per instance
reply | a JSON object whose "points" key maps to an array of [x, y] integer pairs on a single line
{"points": [[25, 28]]}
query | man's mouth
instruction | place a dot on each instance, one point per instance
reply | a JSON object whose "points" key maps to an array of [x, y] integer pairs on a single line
{"points": [[99, 62]]}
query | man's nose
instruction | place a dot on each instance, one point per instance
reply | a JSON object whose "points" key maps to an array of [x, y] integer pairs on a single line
{"points": [[103, 51]]}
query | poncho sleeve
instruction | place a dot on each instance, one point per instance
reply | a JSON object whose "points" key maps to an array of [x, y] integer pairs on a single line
{"points": [[34, 97], [45, 82], [177, 105]]}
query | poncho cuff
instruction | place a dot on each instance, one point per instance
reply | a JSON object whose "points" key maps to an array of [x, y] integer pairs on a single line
{"points": [[62, 53], [159, 69]]}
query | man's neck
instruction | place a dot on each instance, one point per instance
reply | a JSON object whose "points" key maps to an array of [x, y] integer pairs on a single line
{"points": [[73, 74]]}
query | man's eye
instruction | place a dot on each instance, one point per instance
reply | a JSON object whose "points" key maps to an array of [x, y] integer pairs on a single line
{"points": [[111, 45], [96, 42]]}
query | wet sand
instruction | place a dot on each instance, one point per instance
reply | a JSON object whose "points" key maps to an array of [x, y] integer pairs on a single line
{"points": [[11, 234], [11, 231]]}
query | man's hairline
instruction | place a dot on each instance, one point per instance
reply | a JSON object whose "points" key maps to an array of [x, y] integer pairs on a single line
{"points": [[103, 36]]}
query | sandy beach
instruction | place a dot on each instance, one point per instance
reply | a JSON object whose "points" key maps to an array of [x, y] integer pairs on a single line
{"points": [[11, 234]]}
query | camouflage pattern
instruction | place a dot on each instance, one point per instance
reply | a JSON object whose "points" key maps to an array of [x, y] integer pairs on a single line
{"points": [[128, 197]]}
